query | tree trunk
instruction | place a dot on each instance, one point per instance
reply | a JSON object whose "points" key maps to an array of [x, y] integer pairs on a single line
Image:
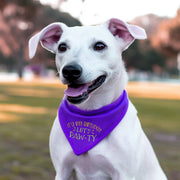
{"points": [[20, 62]]}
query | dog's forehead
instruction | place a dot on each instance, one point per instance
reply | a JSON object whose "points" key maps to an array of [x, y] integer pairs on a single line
{"points": [[87, 32]]}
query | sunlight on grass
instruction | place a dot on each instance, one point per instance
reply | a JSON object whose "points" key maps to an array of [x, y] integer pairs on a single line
{"points": [[6, 117]]}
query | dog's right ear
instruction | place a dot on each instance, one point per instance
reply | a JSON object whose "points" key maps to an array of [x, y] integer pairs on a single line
{"points": [[49, 36]]}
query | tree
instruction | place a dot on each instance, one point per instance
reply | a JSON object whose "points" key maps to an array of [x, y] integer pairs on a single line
{"points": [[167, 41], [19, 19], [142, 56], [167, 38]]}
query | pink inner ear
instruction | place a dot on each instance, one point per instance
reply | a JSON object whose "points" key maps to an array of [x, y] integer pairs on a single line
{"points": [[125, 35], [119, 28], [51, 36], [115, 25]]}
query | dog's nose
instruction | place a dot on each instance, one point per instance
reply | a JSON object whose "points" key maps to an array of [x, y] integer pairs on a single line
{"points": [[72, 72]]}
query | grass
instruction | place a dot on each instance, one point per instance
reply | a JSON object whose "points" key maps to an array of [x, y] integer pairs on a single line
{"points": [[159, 114], [25, 128], [161, 122]]}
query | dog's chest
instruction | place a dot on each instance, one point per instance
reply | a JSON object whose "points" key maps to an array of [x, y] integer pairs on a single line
{"points": [[113, 155], [90, 166]]}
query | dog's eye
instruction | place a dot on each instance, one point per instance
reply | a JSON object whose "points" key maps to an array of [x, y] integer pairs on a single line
{"points": [[62, 47], [99, 46]]}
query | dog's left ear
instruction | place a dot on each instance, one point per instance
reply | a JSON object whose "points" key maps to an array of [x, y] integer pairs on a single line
{"points": [[128, 33]]}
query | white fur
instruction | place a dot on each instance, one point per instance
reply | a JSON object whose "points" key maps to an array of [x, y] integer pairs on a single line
{"points": [[126, 154]]}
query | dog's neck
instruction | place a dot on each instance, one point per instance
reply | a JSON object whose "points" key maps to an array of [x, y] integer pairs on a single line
{"points": [[107, 94]]}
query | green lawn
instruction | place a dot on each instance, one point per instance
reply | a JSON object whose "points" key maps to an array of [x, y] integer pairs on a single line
{"points": [[24, 132]]}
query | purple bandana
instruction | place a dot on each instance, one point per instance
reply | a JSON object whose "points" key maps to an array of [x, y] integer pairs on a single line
{"points": [[84, 129]]}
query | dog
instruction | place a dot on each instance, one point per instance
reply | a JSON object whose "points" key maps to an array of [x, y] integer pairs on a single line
{"points": [[97, 134]]}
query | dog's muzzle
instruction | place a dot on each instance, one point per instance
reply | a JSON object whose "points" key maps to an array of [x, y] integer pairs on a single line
{"points": [[77, 92]]}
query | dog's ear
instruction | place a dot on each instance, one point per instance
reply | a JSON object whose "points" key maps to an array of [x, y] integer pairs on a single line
{"points": [[128, 33], [49, 36]]}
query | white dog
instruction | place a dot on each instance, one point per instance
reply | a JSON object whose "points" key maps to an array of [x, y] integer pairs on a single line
{"points": [[96, 134]]}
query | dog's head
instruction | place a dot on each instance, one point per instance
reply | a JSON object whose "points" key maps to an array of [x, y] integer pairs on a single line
{"points": [[87, 57]]}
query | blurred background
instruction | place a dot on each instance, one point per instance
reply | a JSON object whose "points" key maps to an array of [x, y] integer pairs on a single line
{"points": [[157, 58], [30, 91]]}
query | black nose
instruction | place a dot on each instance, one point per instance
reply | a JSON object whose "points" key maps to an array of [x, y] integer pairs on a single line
{"points": [[72, 72]]}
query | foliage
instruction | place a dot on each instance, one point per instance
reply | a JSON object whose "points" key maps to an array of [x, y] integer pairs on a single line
{"points": [[167, 38], [8, 61], [159, 52], [19, 19], [142, 56]]}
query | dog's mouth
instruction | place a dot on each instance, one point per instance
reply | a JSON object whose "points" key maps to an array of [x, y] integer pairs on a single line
{"points": [[77, 93]]}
